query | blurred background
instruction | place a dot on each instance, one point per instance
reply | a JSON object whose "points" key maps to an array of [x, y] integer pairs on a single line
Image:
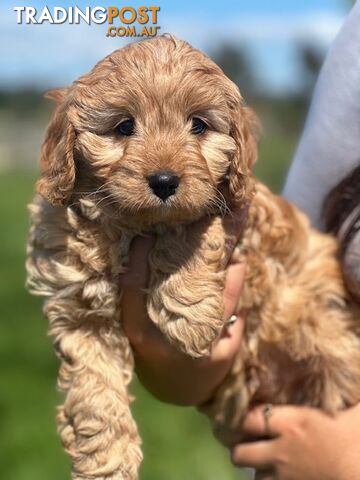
{"points": [[273, 50]]}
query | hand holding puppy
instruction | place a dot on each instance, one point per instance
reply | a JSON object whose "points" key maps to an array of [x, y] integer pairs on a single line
{"points": [[304, 443], [166, 372]]}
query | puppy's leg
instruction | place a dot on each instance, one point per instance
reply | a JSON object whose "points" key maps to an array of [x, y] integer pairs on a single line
{"points": [[187, 282], [68, 259], [95, 422]]}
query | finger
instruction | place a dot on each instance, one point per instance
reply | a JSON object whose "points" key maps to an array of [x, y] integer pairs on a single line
{"points": [[229, 342], [233, 286], [259, 455], [281, 417], [137, 274], [256, 425], [134, 281]]}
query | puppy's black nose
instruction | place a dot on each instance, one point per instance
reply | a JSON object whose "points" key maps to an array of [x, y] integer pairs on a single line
{"points": [[163, 184]]}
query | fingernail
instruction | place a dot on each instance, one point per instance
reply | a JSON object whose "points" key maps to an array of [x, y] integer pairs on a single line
{"points": [[230, 322]]}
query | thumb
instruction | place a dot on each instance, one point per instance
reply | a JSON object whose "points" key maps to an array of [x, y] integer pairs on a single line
{"points": [[233, 286], [133, 283]]}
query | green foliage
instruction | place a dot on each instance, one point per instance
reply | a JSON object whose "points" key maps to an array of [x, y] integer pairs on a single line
{"points": [[236, 64]]}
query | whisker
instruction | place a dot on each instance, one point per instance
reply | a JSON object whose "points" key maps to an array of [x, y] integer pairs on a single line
{"points": [[223, 204]]}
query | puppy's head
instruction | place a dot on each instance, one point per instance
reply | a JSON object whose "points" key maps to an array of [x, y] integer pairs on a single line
{"points": [[156, 132]]}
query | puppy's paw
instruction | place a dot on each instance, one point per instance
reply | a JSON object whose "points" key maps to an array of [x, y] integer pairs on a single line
{"points": [[187, 283], [192, 318]]}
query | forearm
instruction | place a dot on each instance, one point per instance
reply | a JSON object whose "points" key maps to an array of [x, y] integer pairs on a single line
{"points": [[330, 145]]}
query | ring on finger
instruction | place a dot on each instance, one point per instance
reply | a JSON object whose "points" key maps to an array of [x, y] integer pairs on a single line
{"points": [[267, 413]]}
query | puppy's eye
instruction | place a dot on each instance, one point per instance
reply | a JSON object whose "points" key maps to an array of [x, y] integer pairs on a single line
{"points": [[126, 128], [198, 126]]}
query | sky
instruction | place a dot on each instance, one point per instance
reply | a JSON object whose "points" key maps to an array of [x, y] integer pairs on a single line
{"points": [[45, 56]]}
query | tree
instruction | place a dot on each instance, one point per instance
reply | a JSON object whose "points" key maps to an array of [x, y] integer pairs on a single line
{"points": [[236, 66]]}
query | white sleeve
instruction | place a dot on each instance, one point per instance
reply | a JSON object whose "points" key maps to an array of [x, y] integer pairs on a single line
{"points": [[330, 145]]}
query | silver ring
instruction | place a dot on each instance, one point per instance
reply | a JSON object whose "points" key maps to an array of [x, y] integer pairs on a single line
{"points": [[231, 320], [267, 413]]}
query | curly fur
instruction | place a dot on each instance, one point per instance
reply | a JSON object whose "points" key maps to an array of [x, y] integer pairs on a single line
{"points": [[301, 343]]}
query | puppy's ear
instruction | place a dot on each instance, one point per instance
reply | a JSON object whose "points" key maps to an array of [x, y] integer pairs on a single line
{"points": [[57, 158], [244, 130]]}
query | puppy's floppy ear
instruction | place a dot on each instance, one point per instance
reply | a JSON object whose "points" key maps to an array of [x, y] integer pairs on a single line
{"points": [[57, 157], [244, 130]]}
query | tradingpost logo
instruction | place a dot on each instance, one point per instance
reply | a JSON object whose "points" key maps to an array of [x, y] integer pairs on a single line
{"points": [[124, 21]]}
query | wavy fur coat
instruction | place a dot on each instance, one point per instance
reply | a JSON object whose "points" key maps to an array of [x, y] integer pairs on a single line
{"points": [[162, 107]]}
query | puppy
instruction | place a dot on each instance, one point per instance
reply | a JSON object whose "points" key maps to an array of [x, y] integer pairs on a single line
{"points": [[157, 139]]}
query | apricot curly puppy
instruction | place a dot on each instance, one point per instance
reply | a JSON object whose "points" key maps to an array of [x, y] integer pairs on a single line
{"points": [[157, 139]]}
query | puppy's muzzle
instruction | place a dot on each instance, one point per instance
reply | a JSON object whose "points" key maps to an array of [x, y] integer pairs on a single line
{"points": [[163, 184]]}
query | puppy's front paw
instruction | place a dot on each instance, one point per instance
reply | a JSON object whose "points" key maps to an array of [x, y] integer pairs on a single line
{"points": [[187, 283], [189, 312]]}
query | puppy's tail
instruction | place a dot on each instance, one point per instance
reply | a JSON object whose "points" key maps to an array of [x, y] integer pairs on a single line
{"points": [[342, 218]]}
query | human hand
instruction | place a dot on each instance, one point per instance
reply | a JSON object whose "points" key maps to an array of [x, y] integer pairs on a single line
{"points": [[305, 443], [166, 372]]}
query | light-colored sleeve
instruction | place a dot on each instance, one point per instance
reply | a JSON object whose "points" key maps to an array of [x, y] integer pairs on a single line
{"points": [[330, 145]]}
